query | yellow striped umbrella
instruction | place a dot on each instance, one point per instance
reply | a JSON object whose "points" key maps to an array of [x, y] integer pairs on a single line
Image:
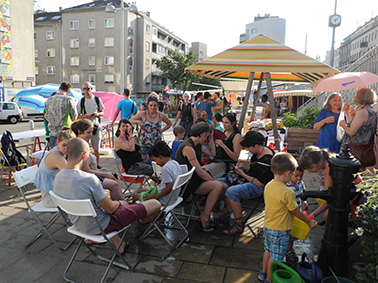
{"points": [[307, 93]]}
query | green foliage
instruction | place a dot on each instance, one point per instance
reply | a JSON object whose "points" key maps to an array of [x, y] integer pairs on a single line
{"points": [[368, 211], [304, 121], [173, 68]]}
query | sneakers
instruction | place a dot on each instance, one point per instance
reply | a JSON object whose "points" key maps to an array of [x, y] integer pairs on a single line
{"points": [[291, 258]]}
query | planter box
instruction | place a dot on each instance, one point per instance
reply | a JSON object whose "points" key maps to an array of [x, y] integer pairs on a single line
{"points": [[298, 139]]}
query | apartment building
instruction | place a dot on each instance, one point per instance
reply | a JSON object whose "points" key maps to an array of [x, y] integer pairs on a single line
{"points": [[199, 50], [87, 46], [271, 26], [357, 44], [16, 47]]}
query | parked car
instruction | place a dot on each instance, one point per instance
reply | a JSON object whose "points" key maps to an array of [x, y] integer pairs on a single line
{"points": [[10, 112]]}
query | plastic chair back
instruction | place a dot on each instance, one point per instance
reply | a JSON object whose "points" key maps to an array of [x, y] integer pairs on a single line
{"points": [[82, 207], [25, 176]]}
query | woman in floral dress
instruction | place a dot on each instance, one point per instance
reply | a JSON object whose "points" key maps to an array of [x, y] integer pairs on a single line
{"points": [[150, 122]]}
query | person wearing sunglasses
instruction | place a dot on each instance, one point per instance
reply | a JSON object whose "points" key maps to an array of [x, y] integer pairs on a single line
{"points": [[92, 108]]}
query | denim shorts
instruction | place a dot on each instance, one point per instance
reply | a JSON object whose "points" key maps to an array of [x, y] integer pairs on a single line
{"points": [[243, 191], [276, 243]]}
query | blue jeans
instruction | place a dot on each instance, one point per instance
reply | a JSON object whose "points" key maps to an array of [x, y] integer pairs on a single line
{"points": [[243, 191]]}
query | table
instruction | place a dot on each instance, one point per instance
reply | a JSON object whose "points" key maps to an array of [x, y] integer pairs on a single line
{"points": [[32, 134]]}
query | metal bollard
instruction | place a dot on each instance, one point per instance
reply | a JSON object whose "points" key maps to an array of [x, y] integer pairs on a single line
{"points": [[31, 126]]}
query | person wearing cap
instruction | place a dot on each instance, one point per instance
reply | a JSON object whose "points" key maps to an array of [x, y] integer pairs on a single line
{"points": [[201, 183], [255, 179]]}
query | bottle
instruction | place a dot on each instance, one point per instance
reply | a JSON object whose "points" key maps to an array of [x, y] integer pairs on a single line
{"points": [[232, 219]]}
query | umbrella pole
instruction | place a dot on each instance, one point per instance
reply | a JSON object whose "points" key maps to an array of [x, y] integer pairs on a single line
{"points": [[257, 93], [273, 113], [246, 99]]}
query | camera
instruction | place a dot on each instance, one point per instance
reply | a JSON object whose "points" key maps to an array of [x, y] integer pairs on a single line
{"points": [[95, 129]]}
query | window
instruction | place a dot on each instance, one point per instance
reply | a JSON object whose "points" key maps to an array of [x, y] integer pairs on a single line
{"points": [[92, 24], [154, 30], [148, 29], [147, 46], [74, 43], [108, 78], [50, 35], [92, 78], [91, 60], [50, 52], [36, 53], [109, 41], [253, 31], [35, 36], [36, 71], [92, 42], [75, 79], [75, 61], [74, 25], [109, 60], [147, 63], [109, 23], [8, 106], [51, 70]]}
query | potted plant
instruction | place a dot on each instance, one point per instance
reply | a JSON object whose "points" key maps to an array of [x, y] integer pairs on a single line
{"points": [[368, 228], [301, 130]]}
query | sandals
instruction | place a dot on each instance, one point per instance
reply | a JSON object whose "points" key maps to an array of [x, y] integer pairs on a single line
{"points": [[208, 228], [237, 228], [262, 276]]}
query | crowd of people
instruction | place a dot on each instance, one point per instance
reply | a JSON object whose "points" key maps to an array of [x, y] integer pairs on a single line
{"points": [[206, 140]]}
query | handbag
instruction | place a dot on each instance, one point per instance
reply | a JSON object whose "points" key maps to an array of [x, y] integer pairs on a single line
{"points": [[363, 153], [234, 179], [340, 131], [308, 270], [68, 120]]}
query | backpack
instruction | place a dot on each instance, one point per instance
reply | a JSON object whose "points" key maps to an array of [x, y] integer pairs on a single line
{"points": [[10, 152], [82, 106]]}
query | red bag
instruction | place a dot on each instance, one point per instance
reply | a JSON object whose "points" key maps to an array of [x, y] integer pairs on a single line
{"points": [[363, 153]]}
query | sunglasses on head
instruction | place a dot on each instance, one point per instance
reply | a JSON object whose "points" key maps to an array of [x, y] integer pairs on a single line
{"points": [[87, 88]]}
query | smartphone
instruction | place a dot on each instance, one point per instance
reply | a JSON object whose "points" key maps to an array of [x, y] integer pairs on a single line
{"points": [[233, 166]]}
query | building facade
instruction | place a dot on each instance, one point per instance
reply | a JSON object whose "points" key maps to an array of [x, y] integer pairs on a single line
{"points": [[199, 50], [357, 44], [16, 47], [88, 44], [273, 27]]}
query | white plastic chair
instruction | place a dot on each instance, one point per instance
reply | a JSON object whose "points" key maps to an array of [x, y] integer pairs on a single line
{"points": [[23, 178], [128, 180], [84, 208], [169, 210]]}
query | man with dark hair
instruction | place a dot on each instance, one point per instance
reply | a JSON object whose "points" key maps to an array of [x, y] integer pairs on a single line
{"points": [[56, 111], [219, 104], [206, 105], [127, 107], [199, 98], [91, 107]]}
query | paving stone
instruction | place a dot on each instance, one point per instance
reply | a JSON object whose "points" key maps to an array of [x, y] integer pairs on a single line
{"points": [[193, 252], [201, 273], [136, 277], [177, 280], [158, 266], [239, 258], [241, 275], [9, 256], [218, 239]]}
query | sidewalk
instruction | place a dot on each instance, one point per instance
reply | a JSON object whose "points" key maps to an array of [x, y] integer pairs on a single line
{"points": [[203, 258]]}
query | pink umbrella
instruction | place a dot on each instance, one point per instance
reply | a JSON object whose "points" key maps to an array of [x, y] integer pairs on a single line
{"points": [[110, 101], [346, 80]]}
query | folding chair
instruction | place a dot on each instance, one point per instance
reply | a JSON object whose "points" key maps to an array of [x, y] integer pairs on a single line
{"points": [[84, 208], [168, 210], [7, 169], [254, 214], [157, 169], [23, 178], [128, 180]]}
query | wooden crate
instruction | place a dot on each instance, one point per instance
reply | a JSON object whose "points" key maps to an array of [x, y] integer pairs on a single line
{"points": [[297, 139]]}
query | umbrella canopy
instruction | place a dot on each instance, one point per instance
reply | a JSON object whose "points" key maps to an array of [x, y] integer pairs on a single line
{"points": [[307, 93], [36, 102], [110, 101], [346, 80], [263, 54], [46, 90], [34, 97]]}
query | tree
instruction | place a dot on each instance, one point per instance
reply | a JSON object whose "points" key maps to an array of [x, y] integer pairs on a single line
{"points": [[173, 68]]}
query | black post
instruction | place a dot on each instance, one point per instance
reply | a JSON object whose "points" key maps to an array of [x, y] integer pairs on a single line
{"points": [[334, 249]]}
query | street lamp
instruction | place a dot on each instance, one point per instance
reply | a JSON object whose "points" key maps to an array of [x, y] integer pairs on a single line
{"points": [[111, 9]]}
